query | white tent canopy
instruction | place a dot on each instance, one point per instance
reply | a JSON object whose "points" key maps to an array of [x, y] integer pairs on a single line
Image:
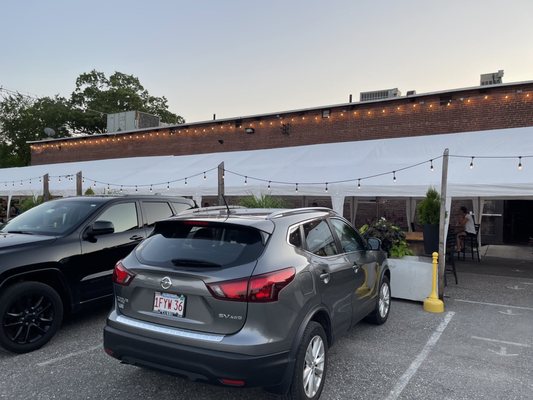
{"points": [[311, 167]]}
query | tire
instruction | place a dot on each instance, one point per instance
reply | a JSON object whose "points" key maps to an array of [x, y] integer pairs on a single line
{"points": [[30, 315], [381, 312], [314, 343]]}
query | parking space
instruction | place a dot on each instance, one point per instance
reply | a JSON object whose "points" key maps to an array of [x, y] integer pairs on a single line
{"points": [[481, 347]]}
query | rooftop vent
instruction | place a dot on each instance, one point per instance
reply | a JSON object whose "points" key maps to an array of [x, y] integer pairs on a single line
{"points": [[493, 78], [380, 94]]}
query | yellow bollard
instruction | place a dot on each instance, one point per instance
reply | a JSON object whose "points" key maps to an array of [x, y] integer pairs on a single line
{"points": [[433, 303]]}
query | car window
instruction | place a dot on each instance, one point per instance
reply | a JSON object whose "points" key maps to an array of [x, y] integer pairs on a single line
{"points": [[295, 238], [52, 218], [122, 215], [156, 211], [179, 207], [349, 238], [319, 239], [200, 245]]}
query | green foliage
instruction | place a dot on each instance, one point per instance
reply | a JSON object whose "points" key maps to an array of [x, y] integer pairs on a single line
{"points": [[391, 236], [96, 94], [23, 118], [262, 202], [89, 192], [429, 208], [30, 202]]}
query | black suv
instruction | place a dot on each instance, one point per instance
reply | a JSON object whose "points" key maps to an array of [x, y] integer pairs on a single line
{"points": [[60, 256]]}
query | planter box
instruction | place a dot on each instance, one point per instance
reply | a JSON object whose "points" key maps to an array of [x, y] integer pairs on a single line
{"points": [[411, 277]]}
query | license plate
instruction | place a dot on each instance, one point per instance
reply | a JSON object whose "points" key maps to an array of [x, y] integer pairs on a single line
{"points": [[169, 304]]}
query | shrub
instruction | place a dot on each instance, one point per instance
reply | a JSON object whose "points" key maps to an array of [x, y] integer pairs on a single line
{"points": [[391, 236], [429, 208], [262, 202], [30, 202], [89, 192]]}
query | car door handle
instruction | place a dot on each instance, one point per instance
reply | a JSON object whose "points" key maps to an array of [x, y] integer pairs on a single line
{"points": [[136, 238], [325, 277]]}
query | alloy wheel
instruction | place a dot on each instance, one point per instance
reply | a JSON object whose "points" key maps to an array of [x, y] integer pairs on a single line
{"points": [[28, 318], [384, 300], [315, 357]]}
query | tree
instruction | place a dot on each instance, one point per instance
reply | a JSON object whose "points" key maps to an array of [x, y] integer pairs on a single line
{"points": [[24, 118], [97, 95]]}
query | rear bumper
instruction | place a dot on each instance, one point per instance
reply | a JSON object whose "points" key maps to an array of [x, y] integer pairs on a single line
{"points": [[196, 363]]}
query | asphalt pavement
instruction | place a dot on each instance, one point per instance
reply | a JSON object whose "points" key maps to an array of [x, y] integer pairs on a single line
{"points": [[481, 347]]}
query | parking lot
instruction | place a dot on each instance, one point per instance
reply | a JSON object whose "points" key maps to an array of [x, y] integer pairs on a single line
{"points": [[480, 348]]}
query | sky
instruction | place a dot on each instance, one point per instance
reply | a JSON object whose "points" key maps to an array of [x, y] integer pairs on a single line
{"points": [[244, 57]]}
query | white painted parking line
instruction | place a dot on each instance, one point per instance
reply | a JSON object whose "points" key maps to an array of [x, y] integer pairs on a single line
{"points": [[500, 341], [77, 353], [415, 365], [493, 304]]}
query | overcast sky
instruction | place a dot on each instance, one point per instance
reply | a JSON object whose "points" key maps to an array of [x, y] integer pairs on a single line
{"points": [[245, 57]]}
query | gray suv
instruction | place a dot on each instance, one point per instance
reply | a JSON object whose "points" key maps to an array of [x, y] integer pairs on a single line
{"points": [[246, 297]]}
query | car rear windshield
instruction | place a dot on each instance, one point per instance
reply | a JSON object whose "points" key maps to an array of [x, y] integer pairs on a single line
{"points": [[199, 244]]}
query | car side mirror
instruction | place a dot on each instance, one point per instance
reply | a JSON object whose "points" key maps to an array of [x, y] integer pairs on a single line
{"points": [[99, 228], [374, 243]]}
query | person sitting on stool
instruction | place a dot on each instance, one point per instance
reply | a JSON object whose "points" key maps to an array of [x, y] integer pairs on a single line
{"points": [[467, 226]]}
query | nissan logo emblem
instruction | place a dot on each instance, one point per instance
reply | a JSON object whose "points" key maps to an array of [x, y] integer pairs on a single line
{"points": [[166, 282]]}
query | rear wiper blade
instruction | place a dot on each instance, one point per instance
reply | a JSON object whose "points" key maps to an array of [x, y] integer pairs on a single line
{"points": [[186, 262], [22, 232]]}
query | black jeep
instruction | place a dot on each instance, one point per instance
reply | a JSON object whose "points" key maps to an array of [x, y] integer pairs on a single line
{"points": [[60, 255]]}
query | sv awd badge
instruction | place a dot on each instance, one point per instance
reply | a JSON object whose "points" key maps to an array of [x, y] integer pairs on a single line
{"points": [[229, 316]]}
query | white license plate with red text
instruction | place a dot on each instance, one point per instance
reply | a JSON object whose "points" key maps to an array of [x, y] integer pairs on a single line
{"points": [[169, 304]]}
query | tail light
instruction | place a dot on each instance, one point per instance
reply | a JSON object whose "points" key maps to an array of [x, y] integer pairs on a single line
{"points": [[262, 288], [121, 275]]}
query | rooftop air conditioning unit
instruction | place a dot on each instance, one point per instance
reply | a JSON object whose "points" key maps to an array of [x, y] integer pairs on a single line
{"points": [[493, 78], [380, 94]]}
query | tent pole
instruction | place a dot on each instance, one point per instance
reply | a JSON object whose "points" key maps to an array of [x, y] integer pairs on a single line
{"points": [[221, 184], [442, 222]]}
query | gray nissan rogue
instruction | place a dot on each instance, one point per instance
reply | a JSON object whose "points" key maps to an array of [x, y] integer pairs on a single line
{"points": [[246, 297]]}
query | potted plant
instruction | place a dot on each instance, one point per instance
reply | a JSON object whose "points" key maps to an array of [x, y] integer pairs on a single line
{"points": [[391, 236], [428, 216]]}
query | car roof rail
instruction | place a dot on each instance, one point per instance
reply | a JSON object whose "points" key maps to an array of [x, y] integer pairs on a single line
{"points": [[296, 211], [210, 210]]}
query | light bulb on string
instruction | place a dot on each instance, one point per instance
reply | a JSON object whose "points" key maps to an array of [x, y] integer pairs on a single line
{"points": [[394, 176], [20, 183], [59, 180], [185, 180], [151, 190], [472, 163], [520, 167], [245, 180], [223, 173], [94, 183], [168, 185], [296, 190], [120, 188], [136, 188], [431, 166], [359, 184], [268, 187], [204, 176], [326, 189]]}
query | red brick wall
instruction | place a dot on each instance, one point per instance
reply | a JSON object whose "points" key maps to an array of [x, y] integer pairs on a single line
{"points": [[469, 110]]}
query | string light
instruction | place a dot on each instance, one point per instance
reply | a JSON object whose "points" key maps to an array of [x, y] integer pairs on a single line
{"points": [[136, 188], [268, 186], [296, 190], [151, 189], [326, 190], [394, 176], [185, 180], [431, 166], [204, 176], [520, 163], [245, 180], [472, 163], [359, 184], [120, 188], [168, 185]]}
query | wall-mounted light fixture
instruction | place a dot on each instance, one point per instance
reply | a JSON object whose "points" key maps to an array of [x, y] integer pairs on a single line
{"points": [[249, 130], [326, 113]]}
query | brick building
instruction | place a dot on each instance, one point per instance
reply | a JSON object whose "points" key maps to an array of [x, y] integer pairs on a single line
{"points": [[461, 110]]}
